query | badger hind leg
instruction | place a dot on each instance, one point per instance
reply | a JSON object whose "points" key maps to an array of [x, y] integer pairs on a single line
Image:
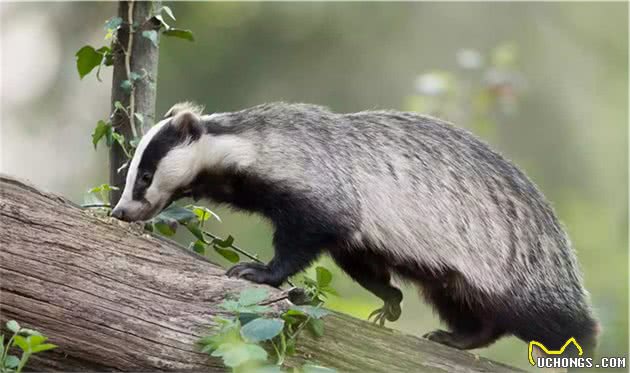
{"points": [[554, 325], [470, 327], [371, 271]]}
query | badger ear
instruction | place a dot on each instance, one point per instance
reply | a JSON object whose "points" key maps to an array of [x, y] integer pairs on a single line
{"points": [[182, 107], [188, 124]]}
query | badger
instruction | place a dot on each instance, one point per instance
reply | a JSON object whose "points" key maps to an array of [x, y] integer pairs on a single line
{"points": [[387, 195]]}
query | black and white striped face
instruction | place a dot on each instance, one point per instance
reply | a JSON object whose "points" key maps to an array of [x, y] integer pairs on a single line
{"points": [[167, 159]]}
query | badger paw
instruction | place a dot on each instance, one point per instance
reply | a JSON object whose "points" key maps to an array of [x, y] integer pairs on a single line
{"points": [[389, 312], [439, 336], [254, 272], [460, 342]]}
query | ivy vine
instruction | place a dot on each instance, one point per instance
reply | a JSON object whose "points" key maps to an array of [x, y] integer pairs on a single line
{"points": [[245, 338], [28, 341], [240, 339]]}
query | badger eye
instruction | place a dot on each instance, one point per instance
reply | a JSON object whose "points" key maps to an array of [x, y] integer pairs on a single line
{"points": [[146, 177]]}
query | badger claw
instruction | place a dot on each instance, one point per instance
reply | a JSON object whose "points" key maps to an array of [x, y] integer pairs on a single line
{"points": [[439, 336], [255, 272], [389, 312]]}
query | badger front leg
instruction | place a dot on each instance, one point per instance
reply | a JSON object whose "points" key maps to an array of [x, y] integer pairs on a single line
{"points": [[372, 272], [292, 255]]}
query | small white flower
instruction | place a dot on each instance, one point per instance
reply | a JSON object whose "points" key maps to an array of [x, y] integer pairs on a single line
{"points": [[469, 59], [431, 84]]}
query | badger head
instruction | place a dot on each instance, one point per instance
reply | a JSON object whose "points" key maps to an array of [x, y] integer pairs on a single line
{"points": [[168, 159]]}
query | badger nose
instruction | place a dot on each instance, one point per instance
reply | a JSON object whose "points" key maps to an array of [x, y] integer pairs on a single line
{"points": [[118, 213]]}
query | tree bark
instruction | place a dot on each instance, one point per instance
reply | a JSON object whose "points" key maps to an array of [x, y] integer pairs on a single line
{"points": [[116, 298], [143, 61]]}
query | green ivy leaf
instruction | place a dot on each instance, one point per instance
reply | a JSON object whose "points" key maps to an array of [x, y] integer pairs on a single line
{"points": [[126, 85], [179, 33], [208, 348], [43, 347], [21, 343], [230, 255], [119, 106], [87, 59], [199, 247], [230, 305], [254, 309], [246, 317], [262, 329], [195, 231], [139, 118], [329, 290], [13, 326], [224, 243], [11, 362], [293, 317], [166, 227], [316, 326], [133, 76], [103, 188], [203, 213], [312, 311], [235, 354], [35, 340], [252, 296], [134, 142], [107, 60], [180, 214], [109, 136], [324, 277], [113, 23], [233, 306], [119, 137], [151, 35]]}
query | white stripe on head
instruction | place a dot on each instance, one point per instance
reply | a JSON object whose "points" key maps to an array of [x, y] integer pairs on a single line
{"points": [[226, 152], [181, 163], [132, 172]]}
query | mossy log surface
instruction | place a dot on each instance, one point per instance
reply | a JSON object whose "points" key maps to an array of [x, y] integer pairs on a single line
{"points": [[115, 298]]}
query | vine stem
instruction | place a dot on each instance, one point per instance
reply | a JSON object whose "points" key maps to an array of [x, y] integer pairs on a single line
{"points": [[132, 99], [6, 350], [235, 248], [241, 251]]}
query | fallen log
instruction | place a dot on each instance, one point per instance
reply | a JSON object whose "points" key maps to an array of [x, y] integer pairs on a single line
{"points": [[115, 298]]}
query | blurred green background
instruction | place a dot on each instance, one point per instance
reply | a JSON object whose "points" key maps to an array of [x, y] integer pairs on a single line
{"points": [[545, 83]]}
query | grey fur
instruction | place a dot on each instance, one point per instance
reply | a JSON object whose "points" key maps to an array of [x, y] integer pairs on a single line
{"points": [[393, 193], [421, 187], [422, 190]]}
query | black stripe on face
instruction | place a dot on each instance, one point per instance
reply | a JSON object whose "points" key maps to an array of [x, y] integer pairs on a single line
{"points": [[167, 138]]}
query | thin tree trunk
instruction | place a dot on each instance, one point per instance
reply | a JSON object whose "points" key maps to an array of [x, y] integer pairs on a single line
{"points": [[142, 60], [116, 298]]}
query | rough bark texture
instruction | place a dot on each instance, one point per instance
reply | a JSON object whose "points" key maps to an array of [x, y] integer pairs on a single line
{"points": [[115, 298], [144, 59]]}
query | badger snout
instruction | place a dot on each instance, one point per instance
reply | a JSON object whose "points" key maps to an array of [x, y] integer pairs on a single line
{"points": [[119, 213], [131, 210]]}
